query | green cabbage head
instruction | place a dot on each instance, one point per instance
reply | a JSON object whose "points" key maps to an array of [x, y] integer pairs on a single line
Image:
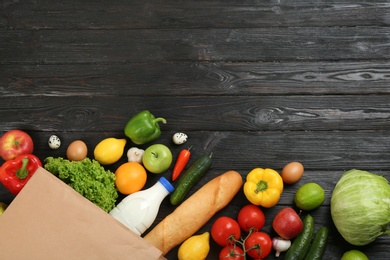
{"points": [[360, 207]]}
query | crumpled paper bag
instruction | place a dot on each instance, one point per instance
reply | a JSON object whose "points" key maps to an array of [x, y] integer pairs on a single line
{"points": [[50, 220]]}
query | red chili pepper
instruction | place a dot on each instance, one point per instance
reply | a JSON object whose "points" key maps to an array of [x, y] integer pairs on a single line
{"points": [[181, 162], [15, 173]]}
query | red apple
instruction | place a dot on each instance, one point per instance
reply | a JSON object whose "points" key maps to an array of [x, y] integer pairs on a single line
{"points": [[287, 223], [14, 143]]}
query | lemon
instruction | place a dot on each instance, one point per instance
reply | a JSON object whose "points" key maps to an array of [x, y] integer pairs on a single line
{"points": [[354, 255], [109, 150], [309, 196], [195, 248]]}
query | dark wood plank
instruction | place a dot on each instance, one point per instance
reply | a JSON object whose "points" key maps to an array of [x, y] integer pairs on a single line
{"points": [[174, 79], [246, 44], [329, 150], [201, 113], [45, 14]]}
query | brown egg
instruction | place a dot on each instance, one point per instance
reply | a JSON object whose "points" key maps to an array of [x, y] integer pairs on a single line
{"points": [[77, 151], [292, 172]]}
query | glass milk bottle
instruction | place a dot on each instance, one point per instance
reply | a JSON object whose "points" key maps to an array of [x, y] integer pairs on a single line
{"points": [[138, 210]]}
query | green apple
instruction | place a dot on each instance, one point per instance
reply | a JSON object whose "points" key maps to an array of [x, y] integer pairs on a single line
{"points": [[157, 158], [3, 206]]}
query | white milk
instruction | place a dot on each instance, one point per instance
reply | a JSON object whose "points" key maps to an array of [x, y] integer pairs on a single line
{"points": [[138, 210]]}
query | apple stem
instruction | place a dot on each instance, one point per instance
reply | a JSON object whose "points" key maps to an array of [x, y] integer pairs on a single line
{"points": [[22, 173]]}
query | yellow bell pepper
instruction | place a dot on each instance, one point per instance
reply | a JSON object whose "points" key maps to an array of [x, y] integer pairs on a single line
{"points": [[263, 187]]}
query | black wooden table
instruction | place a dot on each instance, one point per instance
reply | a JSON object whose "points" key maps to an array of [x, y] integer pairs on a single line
{"points": [[258, 83]]}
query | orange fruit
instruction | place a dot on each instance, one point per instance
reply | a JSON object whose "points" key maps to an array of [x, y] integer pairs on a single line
{"points": [[130, 177]]}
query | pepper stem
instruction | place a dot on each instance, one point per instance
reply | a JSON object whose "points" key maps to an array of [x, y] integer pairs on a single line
{"points": [[160, 119], [261, 186], [22, 173]]}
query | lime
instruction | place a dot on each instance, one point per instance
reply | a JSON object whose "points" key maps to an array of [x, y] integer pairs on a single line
{"points": [[354, 255], [309, 196]]}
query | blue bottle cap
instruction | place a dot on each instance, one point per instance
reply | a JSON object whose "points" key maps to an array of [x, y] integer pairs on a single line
{"points": [[167, 185]]}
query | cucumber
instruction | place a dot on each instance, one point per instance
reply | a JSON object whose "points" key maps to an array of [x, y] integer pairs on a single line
{"points": [[318, 245], [190, 178], [301, 243]]}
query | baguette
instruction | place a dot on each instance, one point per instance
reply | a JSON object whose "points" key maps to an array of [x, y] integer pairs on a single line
{"points": [[195, 211]]}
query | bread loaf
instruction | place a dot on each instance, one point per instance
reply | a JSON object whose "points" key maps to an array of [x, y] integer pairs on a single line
{"points": [[195, 212]]}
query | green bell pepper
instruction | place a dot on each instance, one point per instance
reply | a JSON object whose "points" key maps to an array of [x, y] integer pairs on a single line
{"points": [[143, 127]]}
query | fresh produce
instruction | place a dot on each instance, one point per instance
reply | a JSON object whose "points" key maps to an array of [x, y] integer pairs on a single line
{"points": [[88, 178], [195, 211], [135, 154], [157, 158], [280, 245], [292, 172], [181, 162], [109, 150], [318, 245], [258, 245], [225, 231], [130, 177], [251, 217], [190, 178], [354, 254], [309, 196], [360, 206], [196, 247], [287, 223], [3, 207], [263, 187], [301, 243], [15, 173], [231, 252], [54, 142], [143, 127], [179, 138], [14, 143], [77, 151]]}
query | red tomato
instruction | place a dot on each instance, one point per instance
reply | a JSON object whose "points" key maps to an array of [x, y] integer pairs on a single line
{"points": [[224, 229], [259, 245], [251, 216], [231, 252]]}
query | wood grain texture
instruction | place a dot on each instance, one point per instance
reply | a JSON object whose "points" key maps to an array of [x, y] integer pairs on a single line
{"points": [[192, 14], [258, 83], [197, 78], [214, 113], [153, 45]]}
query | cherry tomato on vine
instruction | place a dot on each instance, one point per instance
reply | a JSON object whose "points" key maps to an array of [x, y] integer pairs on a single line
{"points": [[251, 216], [231, 252], [224, 229], [259, 245]]}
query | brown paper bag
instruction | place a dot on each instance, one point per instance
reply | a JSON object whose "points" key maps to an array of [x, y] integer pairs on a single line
{"points": [[50, 220]]}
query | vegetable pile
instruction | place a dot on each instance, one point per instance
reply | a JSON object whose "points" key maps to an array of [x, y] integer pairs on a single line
{"points": [[360, 202], [88, 178], [360, 207]]}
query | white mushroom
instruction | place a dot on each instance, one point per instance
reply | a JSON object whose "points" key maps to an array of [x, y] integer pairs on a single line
{"points": [[135, 154]]}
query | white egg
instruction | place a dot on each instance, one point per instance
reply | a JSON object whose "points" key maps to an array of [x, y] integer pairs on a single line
{"points": [[54, 142], [179, 138]]}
